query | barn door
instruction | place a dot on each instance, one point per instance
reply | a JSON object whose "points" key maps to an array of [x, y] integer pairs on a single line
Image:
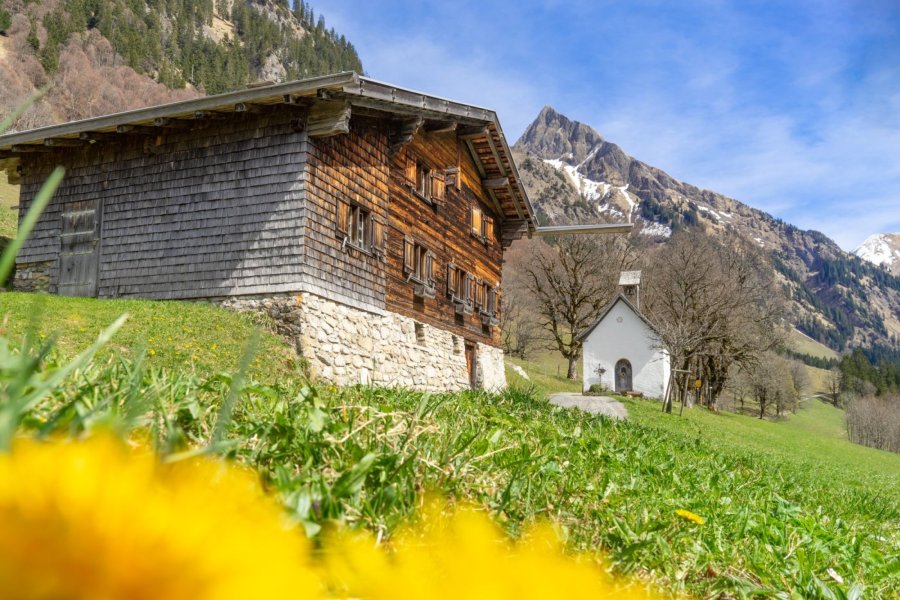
{"points": [[623, 376], [79, 248]]}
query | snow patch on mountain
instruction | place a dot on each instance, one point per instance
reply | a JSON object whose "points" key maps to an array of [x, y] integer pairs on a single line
{"points": [[878, 249], [656, 230], [593, 190]]}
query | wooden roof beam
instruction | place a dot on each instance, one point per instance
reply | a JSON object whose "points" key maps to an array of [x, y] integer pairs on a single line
{"points": [[29, 149], [96, 136], [476, 159], [472, 133], [210, 115], [168, 123], [441, 127], [328, 118], [495, 182], [404, 133], [497, 206], [246, 107], [599, 228], [500, 167], [137, 129], [65, 142], [512, 194]]}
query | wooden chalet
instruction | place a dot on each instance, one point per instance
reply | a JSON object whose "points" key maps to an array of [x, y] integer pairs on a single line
{"points": [[369, 220]]}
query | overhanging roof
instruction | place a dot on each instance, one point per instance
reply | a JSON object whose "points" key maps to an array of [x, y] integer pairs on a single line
{"points": [[482, 134]]}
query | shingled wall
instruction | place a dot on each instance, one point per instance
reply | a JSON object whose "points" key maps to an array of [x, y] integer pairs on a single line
{"points": [[214, 211]]}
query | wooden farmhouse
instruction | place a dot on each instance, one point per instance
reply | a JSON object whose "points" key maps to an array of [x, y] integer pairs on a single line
{"points": [[370, 221]]}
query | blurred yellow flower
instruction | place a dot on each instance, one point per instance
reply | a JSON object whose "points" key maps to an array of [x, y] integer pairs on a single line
{"points": [[464, 555], [686, 514], [91, 520]]}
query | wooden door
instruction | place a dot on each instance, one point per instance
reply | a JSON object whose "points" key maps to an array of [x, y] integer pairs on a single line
{"points": [[472, 365], [79, 252], [623, 376]]}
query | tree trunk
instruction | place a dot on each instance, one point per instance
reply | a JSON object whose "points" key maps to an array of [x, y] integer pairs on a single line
{"points": [[573, 368]]}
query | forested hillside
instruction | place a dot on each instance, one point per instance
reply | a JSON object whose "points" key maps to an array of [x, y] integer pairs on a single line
{"points": [[101, 56]]}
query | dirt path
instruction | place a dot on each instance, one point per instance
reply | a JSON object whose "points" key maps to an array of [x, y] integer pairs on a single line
{"points": [[598, 405]]}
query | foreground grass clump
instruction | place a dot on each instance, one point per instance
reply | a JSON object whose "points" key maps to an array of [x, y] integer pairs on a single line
{"points": [[362, 457]]}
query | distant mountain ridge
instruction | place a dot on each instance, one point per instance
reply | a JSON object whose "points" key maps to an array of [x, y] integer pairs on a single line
{"points": [[574, 175]]}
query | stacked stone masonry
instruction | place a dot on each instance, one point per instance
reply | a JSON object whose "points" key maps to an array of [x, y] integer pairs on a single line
{"points": [[33, 277], [347, 346]]}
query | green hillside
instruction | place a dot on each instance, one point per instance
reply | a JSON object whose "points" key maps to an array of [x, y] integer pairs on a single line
{"points": [[192, 337]]}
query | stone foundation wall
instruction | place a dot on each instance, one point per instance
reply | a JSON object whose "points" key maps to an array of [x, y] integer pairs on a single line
{"points": [[492, 374], [33, 276], [347, 346]]}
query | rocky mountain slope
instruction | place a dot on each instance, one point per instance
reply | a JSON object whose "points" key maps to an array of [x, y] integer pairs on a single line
{"points": [[95, 57], [576, 176], [883, 250]]}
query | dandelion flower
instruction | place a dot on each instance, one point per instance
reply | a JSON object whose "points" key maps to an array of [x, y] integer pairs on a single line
{"points": [[686, 514], [464, 555], [90, 519]]}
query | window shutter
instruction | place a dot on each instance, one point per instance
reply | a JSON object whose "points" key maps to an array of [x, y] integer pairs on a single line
{"points": [[495, 308], [451, 279], [438, 186], [410, 168], [476, 220], [342, 225], [470, 288], [479, 294], [379, 237], [409, 256], [428, 273], [489, 228]]}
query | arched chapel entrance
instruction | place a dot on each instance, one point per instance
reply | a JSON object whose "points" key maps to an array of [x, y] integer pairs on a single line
{"points": [[623, 376]]}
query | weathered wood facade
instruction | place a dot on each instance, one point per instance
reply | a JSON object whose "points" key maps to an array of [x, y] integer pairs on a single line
{"points": [[375, 198]]}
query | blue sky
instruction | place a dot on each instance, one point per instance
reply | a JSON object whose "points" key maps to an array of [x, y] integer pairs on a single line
{"points": [[791, 107]]}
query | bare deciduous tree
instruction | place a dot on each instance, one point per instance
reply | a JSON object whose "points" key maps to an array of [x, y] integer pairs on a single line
{"points": [[571, 282], [874, 421], [714, 307]]}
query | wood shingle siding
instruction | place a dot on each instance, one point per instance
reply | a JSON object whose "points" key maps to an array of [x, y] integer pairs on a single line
{"points": [[190, 214], [443, 228]]}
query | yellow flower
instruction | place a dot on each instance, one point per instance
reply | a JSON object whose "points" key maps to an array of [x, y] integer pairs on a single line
{"points": [[91, 520], [151, 352], [686, 514], [464, 555]]}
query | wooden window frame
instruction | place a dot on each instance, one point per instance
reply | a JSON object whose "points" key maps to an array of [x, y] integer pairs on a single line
{"points": [[358, 228], [481, 224], [419, 266], [490, 312], [426, 182]]}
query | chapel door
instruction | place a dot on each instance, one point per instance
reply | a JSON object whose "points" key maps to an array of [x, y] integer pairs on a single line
{"points": [[623, 376], [79, 250]]}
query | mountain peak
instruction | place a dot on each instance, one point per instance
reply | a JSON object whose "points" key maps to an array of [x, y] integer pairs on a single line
{"points": [[882, 249], [552, 135]]}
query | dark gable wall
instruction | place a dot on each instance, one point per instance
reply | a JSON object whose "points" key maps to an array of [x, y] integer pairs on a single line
{"points": [[214, 211]]}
